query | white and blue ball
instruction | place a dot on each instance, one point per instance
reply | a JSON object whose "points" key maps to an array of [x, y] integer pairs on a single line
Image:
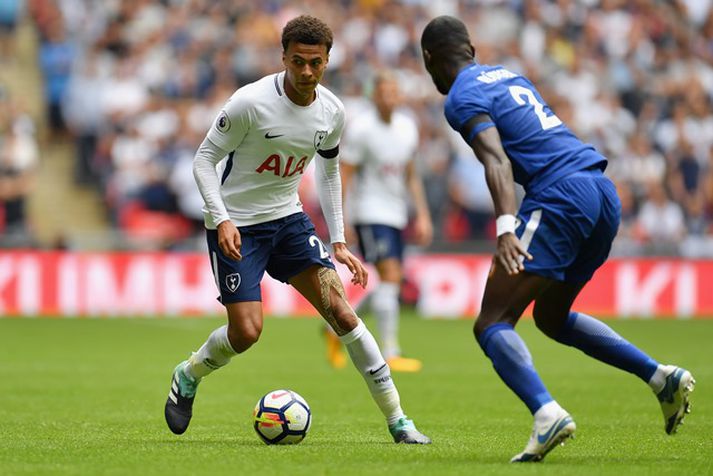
{"points": [[282, 417]]}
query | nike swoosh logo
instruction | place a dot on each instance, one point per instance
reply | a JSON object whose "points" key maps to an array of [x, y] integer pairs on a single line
{"points": [[278, 395], [373, 372], [542, 438], [268, 136]]}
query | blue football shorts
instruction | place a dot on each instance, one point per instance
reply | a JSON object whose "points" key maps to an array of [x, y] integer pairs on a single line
{"points": [[569, 227], [378, 242], [284, 248]]}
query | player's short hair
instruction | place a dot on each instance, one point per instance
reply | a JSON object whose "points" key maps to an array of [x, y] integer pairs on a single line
{"points": [[444, 33], [308, 30], [383, 76]]}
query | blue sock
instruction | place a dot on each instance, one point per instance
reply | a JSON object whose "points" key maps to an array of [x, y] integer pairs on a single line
{"points": [[513, 363], [598, 340]]}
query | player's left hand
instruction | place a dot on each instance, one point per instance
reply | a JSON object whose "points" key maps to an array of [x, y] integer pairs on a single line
{"points": [[423, 229], [360, 275], [510, 253]]}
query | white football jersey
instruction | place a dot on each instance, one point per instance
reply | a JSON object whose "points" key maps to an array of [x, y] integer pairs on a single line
{"points": [[380, 151], [270, 140]]}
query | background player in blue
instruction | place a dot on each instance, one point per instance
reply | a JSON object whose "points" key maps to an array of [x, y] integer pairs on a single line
{"points": [[562, 233]]}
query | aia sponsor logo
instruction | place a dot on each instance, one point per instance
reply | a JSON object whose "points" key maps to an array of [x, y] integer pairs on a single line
{"points": [[282, 167]]}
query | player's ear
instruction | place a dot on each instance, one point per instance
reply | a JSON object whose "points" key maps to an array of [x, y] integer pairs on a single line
{"points": [[427, 59]]}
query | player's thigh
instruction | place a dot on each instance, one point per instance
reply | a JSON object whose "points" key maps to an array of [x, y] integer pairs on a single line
{"points": [[322, 287], [553, 305], [507, 296], [380, 242], [389, 270]]}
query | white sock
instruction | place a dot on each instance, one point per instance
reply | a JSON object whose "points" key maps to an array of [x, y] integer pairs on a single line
{"points": [[213, 354], [658, 379], [366, 357], [385, 303], [548, 412]]}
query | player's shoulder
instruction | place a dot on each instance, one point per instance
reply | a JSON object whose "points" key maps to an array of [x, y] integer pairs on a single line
{"points": [[478, 85], [330, 100], [265, 89], [405, 117]]}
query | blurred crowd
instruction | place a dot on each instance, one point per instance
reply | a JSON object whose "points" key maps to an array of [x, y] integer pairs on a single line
{"points": [[136, 83]]}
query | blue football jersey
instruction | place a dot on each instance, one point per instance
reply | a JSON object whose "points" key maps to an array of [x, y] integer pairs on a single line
{"points": [[540, 147]]}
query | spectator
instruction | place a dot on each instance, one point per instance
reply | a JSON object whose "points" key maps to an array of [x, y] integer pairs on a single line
{"points": [[57, 56], [633, 78], [18, 162], [661, 221]]}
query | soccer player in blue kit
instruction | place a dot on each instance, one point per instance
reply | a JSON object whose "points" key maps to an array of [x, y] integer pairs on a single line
{"points": [[549, 248]]}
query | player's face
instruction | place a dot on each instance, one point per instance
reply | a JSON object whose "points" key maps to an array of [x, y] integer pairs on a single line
{"points": [[436, 73], [305, 65], [386, 95]]}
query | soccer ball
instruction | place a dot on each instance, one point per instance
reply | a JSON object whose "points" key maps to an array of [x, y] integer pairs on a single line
{"points": [[282, 417]]}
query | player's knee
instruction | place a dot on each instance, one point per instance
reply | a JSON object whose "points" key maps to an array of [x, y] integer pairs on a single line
{"points": [[480, 325], [545, 327], [243, 337], [548, 321], [389, 270], [487, 318], [244, 331]]}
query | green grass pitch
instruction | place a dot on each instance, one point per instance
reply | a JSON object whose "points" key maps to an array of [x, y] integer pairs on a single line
{"points": [[85, 397]]}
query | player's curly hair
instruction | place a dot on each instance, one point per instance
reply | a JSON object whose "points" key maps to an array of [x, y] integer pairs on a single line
{"points": [[308, 30]]}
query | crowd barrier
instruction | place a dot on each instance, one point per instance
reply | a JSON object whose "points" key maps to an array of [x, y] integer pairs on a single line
{"points": [[57, 284]]}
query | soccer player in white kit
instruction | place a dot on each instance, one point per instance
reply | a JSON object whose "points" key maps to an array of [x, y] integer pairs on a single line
{"points": [[379, 176], [262, 141]]}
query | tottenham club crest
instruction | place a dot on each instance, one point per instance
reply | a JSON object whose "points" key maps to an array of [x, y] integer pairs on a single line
{"points": [[319, 136], [232, 282], [223, 122]]}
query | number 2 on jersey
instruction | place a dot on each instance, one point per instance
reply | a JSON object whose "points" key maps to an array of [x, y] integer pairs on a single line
{"points": [[547, 122], [314, 241]]}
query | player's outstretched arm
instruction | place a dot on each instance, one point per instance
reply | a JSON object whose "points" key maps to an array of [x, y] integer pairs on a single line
{"points": [[424, 224], [360, 275], [498, 174]]}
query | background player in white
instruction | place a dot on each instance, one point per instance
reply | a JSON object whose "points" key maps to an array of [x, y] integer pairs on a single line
{"points": [[263, 139], [378, 175]]}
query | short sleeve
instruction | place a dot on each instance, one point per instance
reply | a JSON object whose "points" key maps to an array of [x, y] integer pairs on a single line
{"points": [[464, 104], [232, 123]]}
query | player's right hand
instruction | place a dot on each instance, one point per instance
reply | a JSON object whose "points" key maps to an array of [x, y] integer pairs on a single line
{"points": [[229, 240], [510, 253]]}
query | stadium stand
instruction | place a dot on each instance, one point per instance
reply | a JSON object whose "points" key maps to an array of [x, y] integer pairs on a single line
{"points": [[143, 79]]}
